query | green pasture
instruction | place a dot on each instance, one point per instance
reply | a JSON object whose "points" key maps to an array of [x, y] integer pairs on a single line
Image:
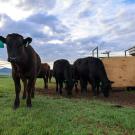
{"points": [[61, 116]]}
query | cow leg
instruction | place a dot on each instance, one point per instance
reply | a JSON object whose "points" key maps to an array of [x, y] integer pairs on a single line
{"points": [[57, 86], [33, 92], [93, 83], [83, 84], [30, 86], [17, 91], [61, 86], [76, 88], [45, 82], [69, 92], [25, 88], [50, 79], [97, 87]]}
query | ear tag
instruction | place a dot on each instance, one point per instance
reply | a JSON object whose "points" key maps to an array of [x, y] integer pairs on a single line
{"points": [[27, 45], [1, 44]]}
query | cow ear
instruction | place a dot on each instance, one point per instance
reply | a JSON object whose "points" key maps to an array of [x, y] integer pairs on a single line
{"points": [[27, 41], [3, 39]]}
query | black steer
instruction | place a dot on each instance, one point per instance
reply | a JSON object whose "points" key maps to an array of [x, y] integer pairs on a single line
{"points": [[92, 70], [44, 73], [25, 64], [63, 73]]}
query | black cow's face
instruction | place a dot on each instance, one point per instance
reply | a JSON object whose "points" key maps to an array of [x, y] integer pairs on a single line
{"points": [[15, 47], [69, 86], [106, 88]]}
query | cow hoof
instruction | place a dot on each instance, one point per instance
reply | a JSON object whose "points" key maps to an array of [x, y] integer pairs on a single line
{"points": [[57, 93], [76, 91], [15, 107], [16, 104], [106, 95], [23, 97], [69, 95], [46, 89], [94, 95], [32, 96], [29, 105], [60, 92], [84, 94]]}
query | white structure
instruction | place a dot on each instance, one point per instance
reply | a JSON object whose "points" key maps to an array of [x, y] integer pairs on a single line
{"points": [[132, 51]]}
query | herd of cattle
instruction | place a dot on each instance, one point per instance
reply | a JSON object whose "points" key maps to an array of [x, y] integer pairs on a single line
{"points": [[26, 66]]}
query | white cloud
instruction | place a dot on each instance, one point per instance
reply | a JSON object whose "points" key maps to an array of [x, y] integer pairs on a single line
{"points": [[47, 30], [55, 42], [1, 23], [13, 11]]}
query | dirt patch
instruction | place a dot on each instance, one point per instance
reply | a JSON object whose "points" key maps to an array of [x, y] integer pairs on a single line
{"points": [[120, 98]]}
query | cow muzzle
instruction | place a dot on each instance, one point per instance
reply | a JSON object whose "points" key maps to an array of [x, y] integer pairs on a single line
{"points": [[12, 59]]}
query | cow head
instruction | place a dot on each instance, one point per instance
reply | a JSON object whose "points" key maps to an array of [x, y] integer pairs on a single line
{"points": [[16, 45], [106, 87], [69, 86]]}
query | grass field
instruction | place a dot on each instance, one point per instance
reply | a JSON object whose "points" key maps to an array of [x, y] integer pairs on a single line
{"points": [[62, 116]]}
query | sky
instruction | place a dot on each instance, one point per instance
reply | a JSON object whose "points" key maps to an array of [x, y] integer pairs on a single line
{"points": [[70, 29]]}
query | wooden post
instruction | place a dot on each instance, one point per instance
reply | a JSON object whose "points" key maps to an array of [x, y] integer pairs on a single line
{"points": [[93, 51], [108, 53], [126, 53]]}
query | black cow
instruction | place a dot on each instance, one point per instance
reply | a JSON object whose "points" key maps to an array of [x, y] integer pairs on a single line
{"points": [[25, 64], [44, 73], [63, 73], [92, 70]]}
